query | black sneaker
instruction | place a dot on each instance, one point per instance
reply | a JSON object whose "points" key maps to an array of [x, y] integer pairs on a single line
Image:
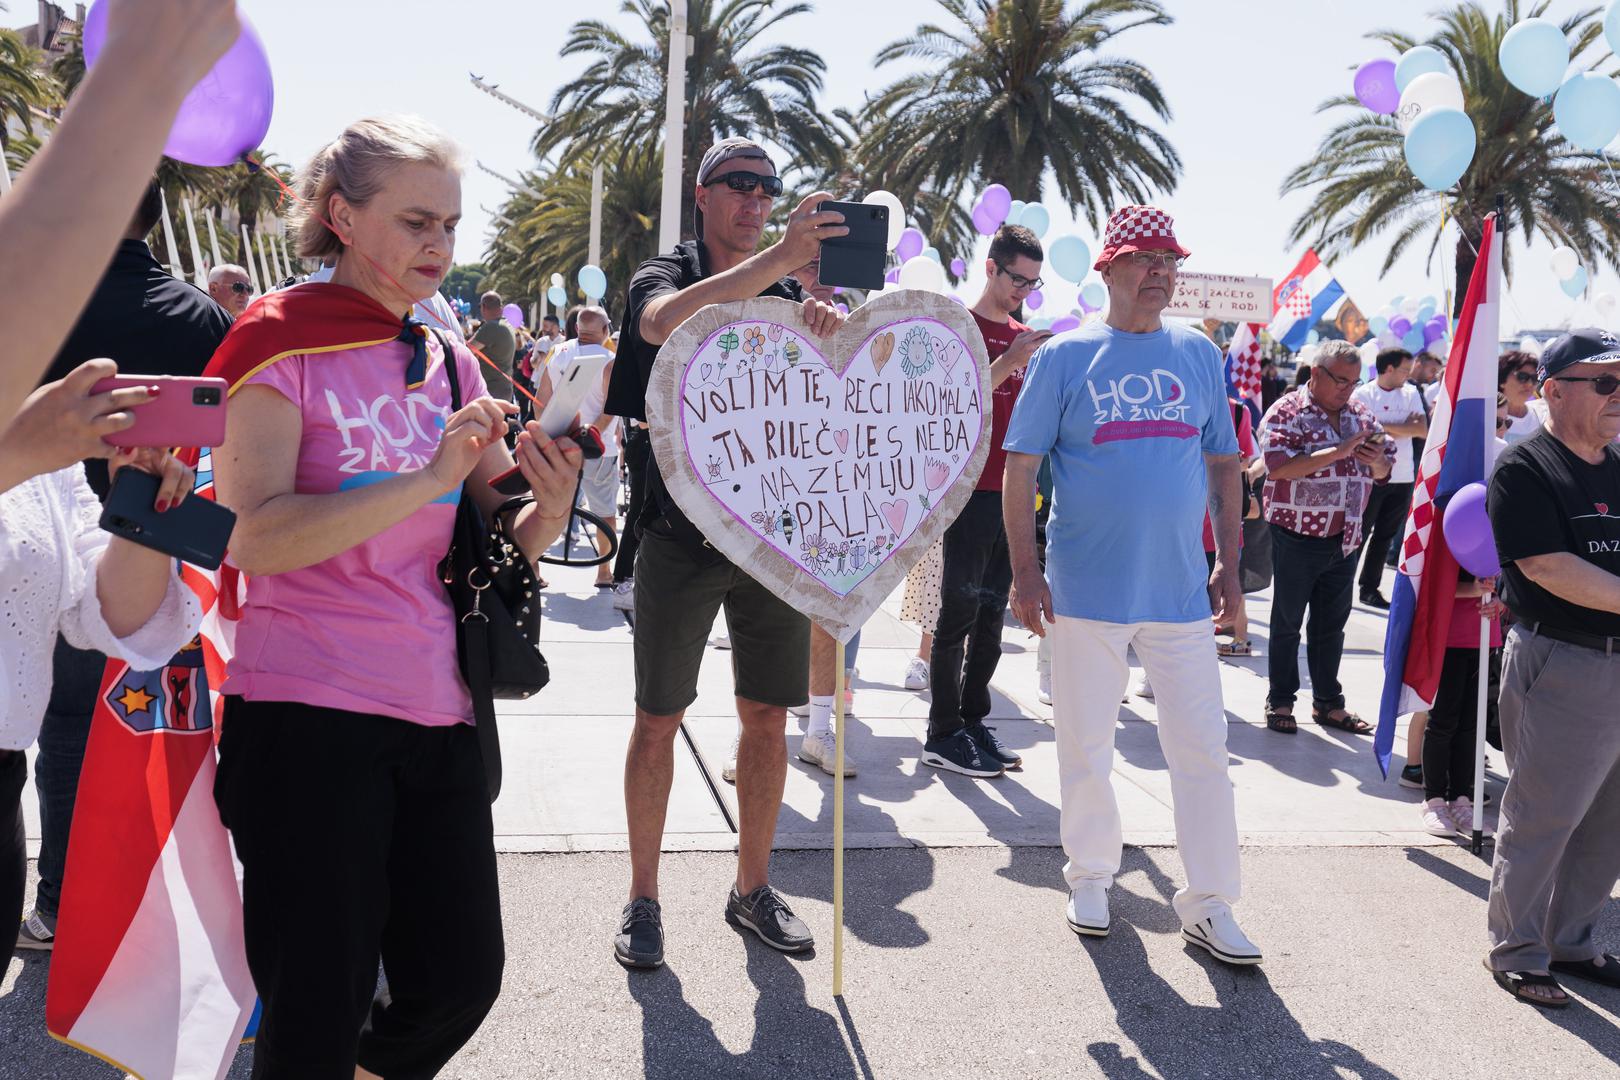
{"points": [[765, 913], [1412, 776], [959, 753], [990, 747], [640, 940], [1374, 599]]}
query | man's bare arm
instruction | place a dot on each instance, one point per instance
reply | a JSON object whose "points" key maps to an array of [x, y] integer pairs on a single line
{"points": [[1570, 577]]}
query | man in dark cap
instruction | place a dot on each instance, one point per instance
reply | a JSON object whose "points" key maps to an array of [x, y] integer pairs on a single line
{"points": [[1555, 511], [681, 581]]}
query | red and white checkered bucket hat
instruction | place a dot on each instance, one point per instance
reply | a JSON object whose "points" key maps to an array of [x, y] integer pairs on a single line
{"points": [[1138, 228]]}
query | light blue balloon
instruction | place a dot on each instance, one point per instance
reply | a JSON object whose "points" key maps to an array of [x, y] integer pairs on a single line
{"points": [[1413, 341], [1425, 312], [1575, 284], [1377, 324], [1094, 295], [1312, 337], [1587, 110], [593, 281], [1036, 219], [1534, 56], [1015, 211], [1070, 258], [1418, 60], [932, 253], [557, 296], [1429, 302], [1395, 304], [1611, 26], [1440, 147]]}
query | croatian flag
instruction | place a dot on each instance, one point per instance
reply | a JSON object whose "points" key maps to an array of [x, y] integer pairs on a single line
{"points": [[1303, 298], [1460, 449], [1243, 362], [149, 971]]}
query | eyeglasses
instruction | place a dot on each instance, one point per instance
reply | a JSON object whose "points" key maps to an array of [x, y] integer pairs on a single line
{"points": [[1605, 385], [745, 181], [1148, 260], [1337, 381], [1525, 376], [1503, 423], [241, 288], [1019, 280]]}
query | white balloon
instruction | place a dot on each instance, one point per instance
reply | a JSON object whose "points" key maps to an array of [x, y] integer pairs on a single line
{"points": [[897, 213], [1369, 352], [1605, 303], [1411, 307], [1530, 345], [921, 272], [1436, 90], [1565, 262]]}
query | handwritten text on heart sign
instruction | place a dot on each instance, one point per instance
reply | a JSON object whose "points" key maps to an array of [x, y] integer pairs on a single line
{"points": [[833, 471]]}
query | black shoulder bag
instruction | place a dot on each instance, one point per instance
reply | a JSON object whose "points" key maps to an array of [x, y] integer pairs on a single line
{"points": [[497, 604]]}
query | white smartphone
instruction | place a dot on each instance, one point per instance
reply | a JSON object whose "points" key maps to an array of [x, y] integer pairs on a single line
{"points": [[584, 372]]}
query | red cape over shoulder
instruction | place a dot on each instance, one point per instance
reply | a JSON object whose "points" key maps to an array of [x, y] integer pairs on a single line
{"points": [[309, 318]]}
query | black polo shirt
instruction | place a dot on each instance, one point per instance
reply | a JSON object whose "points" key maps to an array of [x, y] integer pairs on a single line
{"points": [[659, 276], [146, 319]]}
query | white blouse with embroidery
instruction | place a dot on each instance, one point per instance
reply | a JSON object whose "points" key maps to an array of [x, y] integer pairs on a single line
{"points": [[50, 552]]}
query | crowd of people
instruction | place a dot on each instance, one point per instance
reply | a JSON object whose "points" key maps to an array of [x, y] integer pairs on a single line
{"points": [[343, 521]]}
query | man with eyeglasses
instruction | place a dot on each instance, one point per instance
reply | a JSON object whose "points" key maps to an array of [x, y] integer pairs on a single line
{"points": [[681, 582], [976, 572], [231, 288], [1133, 415], [1554, 506], [1324, 451]]}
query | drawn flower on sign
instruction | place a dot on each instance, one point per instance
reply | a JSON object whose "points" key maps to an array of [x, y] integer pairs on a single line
{"points": [[916, 353], [775, 332], [857, 554], [935, 473], [813, 554], [714, 467], [727, 342], [791, 351], [842, 551], [765, 520], [753, 340]]}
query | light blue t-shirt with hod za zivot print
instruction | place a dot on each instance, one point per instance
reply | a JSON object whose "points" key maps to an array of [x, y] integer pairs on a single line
{"points": [[1127, 420]]}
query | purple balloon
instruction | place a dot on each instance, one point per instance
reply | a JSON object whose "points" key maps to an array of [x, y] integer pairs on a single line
{"points": [[513, 315], [1376, 87], [984, 222], [843, 308], [1468, 532], [227, 113], [1034, 300], [838, 290], [1400, 325], [1065, 323], [911, 244], [1432, 334], [893, 276], [958, 267], [997, 200]]}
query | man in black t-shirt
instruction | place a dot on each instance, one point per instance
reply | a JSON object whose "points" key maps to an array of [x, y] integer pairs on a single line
{"points": [[681, 581], [1555, 510]]}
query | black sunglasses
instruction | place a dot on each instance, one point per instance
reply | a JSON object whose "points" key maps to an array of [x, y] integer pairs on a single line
{"points": [[1605, 385], [745, 181], [241, 287], [1020, 281], [1525, 376]]}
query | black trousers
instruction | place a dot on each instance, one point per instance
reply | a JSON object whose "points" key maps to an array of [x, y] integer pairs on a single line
{"points": [[64, 732], [974, 585], [13, 851], [361, 838], [637, 449], [1448, 740], [1384, 522], [1308, 572]]}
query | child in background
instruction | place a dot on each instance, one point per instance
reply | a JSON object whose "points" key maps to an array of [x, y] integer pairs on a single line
{"points": [[1448, 741]]}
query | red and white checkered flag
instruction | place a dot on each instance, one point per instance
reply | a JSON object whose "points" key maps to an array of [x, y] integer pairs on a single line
{"points": [[1244, 351]]}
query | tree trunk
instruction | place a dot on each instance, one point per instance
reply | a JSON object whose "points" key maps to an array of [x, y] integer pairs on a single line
{"points": [[1467, 246]]}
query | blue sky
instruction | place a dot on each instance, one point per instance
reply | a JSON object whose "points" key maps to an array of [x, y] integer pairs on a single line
{"points": [[1242, 76]]}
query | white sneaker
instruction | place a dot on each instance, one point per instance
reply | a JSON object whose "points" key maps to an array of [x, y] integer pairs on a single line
{"points": [[1437, 818], [729, 773], [1219, 934], [1045, 692], [1461, 810], [917, 674], [800, 710], [1143, 688], [624, 596], [721, 641], [1088, 910], [821, 750]]}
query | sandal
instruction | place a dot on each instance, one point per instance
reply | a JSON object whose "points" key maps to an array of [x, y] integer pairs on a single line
{"points": [[1282, 722], [1347, 721], [1608, 974], [1517, 982], [1233, 648]]}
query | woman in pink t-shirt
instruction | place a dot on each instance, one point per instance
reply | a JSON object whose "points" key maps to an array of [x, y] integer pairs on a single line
{"points": [[349, 772]]}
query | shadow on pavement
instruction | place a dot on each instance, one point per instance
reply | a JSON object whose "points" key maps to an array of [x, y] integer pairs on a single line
{"points": [[585, 612], [1476, 885]]}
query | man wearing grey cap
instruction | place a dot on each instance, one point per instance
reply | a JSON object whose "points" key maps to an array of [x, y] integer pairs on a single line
{"points": [[1554, 505], [681, 582]]}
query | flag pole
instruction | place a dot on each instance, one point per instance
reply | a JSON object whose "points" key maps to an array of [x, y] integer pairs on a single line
{"points": [[1476, 843], [838, 824]]}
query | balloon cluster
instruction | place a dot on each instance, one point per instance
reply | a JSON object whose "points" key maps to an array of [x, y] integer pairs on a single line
{"points": [[1573, 279], [1415, 324], [1586, 106]]}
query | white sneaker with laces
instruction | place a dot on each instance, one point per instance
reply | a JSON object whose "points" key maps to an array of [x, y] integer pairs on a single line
{"points": [[624, 596], [1220, 936], [1143, 688], [721, 641], [1088, 910], [729, 773], [1045, 691], [1437, 818], [1461, 811], [916, 674], [821, 750]]}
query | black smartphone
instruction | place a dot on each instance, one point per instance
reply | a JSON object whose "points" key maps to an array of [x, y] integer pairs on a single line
{"points": [[857, 261], [195, 531]]}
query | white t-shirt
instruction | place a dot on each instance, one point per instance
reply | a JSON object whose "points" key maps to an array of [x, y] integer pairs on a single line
{"points": [[1533, 420], [1394, 407], [558, 361], [1431, 393]]}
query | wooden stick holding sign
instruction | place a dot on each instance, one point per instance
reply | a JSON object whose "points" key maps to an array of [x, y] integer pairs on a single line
{"points": [[824, 468]]}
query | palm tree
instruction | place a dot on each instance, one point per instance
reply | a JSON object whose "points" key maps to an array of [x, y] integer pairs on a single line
{"points": [[23, 87], [734, 86], [1013, 87], [1363, 189]]}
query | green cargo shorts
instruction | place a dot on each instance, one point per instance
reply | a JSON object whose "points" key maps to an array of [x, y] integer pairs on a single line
{"points": [[679, 589]]}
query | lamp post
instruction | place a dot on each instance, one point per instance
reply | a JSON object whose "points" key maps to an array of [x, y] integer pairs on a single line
{"points": [[669, 204]]}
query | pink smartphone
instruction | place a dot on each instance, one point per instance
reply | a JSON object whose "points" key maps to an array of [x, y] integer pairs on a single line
{"points": [[188, 411]]}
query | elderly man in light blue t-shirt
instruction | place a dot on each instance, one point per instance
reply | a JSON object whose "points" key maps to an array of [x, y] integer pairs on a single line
{"points": [[1134, 416]]}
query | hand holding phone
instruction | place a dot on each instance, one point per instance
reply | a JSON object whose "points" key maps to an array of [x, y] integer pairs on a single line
{"points": [[856, 256], [195, 529], [65, 422], [181, 411]]}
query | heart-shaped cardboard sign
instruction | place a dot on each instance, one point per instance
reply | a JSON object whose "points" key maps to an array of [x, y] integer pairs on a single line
{"points": [[824, 467]]}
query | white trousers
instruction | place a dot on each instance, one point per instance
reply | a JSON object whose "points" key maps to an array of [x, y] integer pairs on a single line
{"points": [[1089, 674]]}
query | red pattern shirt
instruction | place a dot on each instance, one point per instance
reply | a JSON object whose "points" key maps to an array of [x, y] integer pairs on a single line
{"points": [[1329, 502]]}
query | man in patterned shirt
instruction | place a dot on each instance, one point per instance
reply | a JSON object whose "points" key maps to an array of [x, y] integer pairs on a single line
{"points": [[1324, 452]]}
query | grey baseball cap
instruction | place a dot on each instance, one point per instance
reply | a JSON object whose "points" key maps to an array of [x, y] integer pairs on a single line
{"points": [[729, 149]]}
